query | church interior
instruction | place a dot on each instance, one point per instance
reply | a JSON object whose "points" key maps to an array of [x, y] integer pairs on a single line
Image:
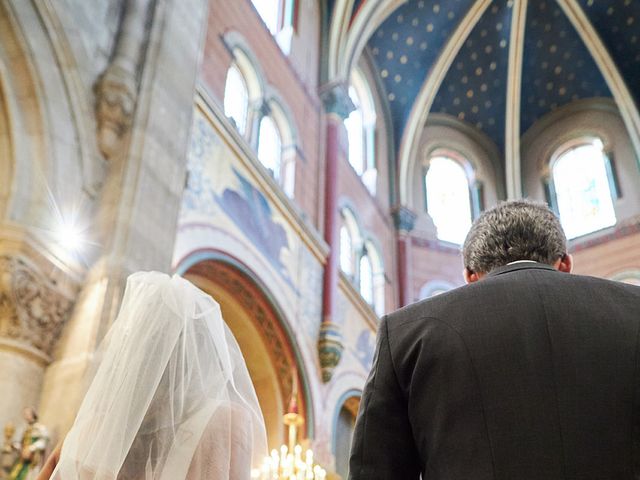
{"points": [[311, 164]]}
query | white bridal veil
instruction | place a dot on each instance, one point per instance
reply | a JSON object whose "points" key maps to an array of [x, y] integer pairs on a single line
{"points": [[171, 398]]}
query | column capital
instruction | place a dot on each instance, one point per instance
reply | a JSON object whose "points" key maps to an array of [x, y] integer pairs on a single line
{"points": [[33, 309], [336, 100], [404, 219]]}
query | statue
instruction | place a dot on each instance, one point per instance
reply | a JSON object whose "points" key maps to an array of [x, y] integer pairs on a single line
{"points": [[9, 452], [31, 448]]}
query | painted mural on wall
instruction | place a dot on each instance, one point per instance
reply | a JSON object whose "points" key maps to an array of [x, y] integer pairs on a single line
{"points": [[248, 208], [225, 209]]}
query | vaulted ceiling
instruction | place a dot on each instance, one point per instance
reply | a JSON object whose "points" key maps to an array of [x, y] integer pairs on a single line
{"points": [[557, 63]]}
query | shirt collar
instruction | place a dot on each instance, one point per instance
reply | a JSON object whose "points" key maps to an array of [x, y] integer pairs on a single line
{"points": [[520, 265]]}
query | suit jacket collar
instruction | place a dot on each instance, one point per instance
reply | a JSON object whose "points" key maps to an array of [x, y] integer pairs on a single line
{"points": [[519, 266]]}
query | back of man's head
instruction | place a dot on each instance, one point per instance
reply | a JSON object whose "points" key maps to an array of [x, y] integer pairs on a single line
{"points": [[511, 231]]}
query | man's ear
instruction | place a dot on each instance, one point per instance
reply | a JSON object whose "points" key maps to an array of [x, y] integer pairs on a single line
{"points": [[564, 263], [469, 276]]}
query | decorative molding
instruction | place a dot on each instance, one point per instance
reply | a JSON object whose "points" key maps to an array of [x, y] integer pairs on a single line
{"points": [[336, 100], [116, 89], [608, 68], [514, 87], [338, 32], [424, 100], [33, 310]]}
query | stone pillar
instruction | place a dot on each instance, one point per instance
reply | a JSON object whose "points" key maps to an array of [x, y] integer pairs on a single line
{"points": [[140, 201], [404, 220], [33, 311], [338, 105]]}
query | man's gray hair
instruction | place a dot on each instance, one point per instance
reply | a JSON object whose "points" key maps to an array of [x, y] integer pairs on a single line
{"points": [[514, 230]]}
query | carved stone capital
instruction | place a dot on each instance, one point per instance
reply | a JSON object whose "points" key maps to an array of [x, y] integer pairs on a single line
{"points": [[33, 309], [116, 89], [336, 100], [115, 101], [404, 219]]}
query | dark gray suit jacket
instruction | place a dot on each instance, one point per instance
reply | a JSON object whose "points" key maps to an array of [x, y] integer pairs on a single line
{"points": [[527, 374]]}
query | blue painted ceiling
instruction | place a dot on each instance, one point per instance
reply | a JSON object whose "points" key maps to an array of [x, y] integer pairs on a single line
{"points": [[618, 25], [474, 88], [557, 66], [405, 47]]}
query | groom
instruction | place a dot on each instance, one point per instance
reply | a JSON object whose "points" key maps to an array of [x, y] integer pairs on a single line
{"points": [[526, 373]]}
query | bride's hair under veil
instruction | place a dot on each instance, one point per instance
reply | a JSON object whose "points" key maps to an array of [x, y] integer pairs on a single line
{"points": [[171, 398]]}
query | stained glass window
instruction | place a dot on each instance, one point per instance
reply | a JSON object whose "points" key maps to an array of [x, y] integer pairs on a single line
{"points": [[236, 98], [582, 190], [270, 146], [448, 202]]}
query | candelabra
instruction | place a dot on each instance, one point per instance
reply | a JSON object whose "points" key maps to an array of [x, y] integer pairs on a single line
{"points": [[291, 462]]}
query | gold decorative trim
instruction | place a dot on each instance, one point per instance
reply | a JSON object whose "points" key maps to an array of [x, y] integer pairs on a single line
{"points": [[232, 139], [514, 87], [422, 105]]}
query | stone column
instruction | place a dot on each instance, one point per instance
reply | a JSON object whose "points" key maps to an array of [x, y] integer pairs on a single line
{"points": [[337, 105], [33, 309], [404, 220], [140, 201]]}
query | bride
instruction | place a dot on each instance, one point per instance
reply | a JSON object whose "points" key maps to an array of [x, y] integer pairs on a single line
{"points": [[171, 397]]}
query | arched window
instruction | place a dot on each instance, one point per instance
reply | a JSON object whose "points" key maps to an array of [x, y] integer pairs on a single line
{"points": [[279, 18], [366, 279], [448, 198], [236, 98], [344, 427], [360, 127], [346, 251], [583, 185], [277, 144], [372, 278], [378, 278], [270, 146], [350, 243], [244, 87]]}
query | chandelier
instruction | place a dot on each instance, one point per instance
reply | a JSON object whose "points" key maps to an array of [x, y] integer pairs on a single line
{"points": [[292, 461]]}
